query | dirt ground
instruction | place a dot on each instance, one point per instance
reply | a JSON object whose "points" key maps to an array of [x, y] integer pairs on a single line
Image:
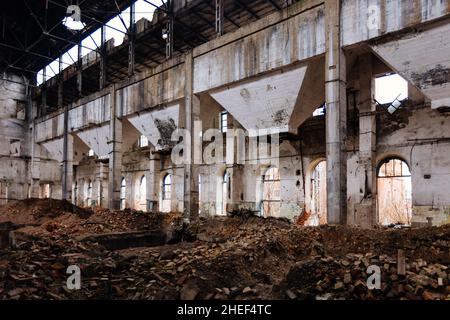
{"points": [[215, 258]]}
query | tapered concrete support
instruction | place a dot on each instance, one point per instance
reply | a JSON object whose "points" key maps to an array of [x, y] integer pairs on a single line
{"points": [[153, 182], [115, 156], [336, 116], [192, 114], [366, 209]]}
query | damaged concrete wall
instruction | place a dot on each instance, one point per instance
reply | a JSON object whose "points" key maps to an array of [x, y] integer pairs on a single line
{"points": [[13, 138], [420, 137]]}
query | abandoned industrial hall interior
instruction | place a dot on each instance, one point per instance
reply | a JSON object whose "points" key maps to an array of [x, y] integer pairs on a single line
{"points": [[225, 149]]}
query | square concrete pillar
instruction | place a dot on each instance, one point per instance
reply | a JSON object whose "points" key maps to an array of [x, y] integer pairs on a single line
{"points": [[366, 215], [336, 116], [153, 182], [192, 114], [115, 155]]}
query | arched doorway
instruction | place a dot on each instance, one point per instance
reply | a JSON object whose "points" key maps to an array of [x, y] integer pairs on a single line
{"points": [[318, 191], [394, 200], [271, 193]]}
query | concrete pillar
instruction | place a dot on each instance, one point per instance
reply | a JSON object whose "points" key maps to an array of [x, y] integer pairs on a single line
{"points": [[366, 215], [67, 168], [67, 163], [115, 155], [336, 116], [34, 165], [191, 171], [153, 182]]}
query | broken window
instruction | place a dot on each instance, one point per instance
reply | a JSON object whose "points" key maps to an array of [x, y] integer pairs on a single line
{"points": [[320, 111], [390, 88], [271, 193], [143, 141], [123, 193], [90, 153], [394, 192], [224, 121], [319, 195]]}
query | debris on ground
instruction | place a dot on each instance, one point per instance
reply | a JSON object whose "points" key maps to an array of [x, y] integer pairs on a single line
{"points": [[226, 258]]}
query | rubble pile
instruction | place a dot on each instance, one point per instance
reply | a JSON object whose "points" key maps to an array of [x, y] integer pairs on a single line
{"points": [[240, 257]]}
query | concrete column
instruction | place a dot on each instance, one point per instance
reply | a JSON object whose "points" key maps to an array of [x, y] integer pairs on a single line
{"points": [[153, 182], [115, 155], [67, 163], [366, 209], [67, 169], [99, 188], [34, 165], [129, 190], [191, 171], [336, 116]]}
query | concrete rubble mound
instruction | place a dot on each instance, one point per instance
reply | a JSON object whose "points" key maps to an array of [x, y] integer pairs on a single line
{"points": [[136, 255]]}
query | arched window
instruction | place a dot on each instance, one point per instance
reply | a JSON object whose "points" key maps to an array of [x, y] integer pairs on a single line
{"points": [[394, 192], [123, 193], [271, 193], [319, 194], [166, 187]]}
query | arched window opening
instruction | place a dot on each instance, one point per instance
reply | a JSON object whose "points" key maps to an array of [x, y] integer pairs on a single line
{"points": [[166, 193], [318, 194], [123, 193], [166, 189], [271, 193], [394, 192]]}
